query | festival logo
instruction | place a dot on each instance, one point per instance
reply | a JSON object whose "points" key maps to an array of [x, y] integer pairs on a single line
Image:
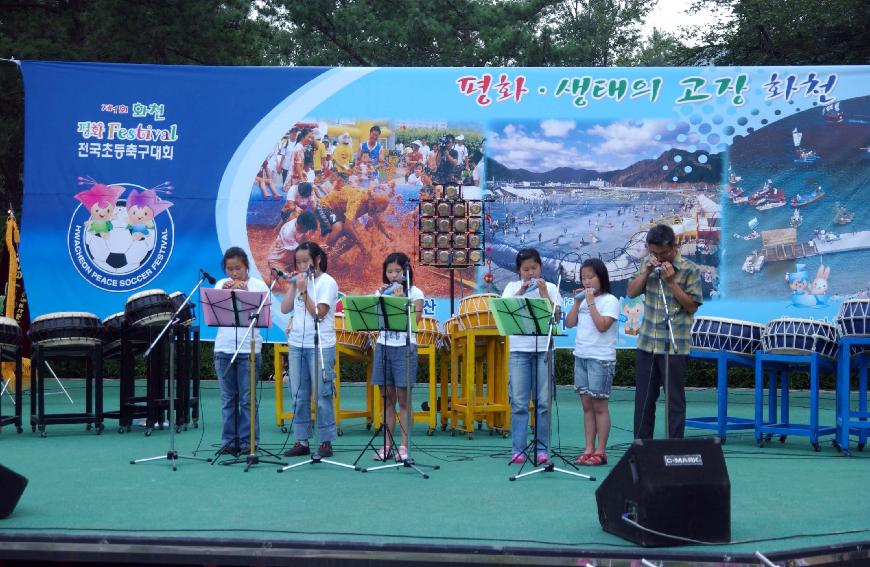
{"points": [[120, 243]]}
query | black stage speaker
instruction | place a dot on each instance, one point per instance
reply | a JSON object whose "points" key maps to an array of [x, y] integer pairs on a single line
{"points": [[674, 486], [12, 485]]}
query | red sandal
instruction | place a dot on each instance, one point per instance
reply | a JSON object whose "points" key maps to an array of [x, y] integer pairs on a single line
{"points": [[582, 458], [596, 460]]}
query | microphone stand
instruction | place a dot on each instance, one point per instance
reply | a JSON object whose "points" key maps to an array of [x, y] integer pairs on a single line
{"points": [[318, 376], [672, 345], [408, 463], [252, 457], [172, 455]]}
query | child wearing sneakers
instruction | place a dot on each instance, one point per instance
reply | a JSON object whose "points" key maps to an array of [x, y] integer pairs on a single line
{"points": [[593, 313], [527, 367], [312, 293]]}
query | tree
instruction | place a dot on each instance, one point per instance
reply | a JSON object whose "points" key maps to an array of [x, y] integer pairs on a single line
{"points": [[660, 49], [399, 34], [782, 32], [595, 33]]}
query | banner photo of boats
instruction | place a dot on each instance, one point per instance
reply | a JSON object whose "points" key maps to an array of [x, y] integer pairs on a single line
{"points": [[575, 190], [793, 199]]}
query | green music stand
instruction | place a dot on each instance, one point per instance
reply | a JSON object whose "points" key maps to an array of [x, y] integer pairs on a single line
{"points": [[377, 313], [532, 316]]}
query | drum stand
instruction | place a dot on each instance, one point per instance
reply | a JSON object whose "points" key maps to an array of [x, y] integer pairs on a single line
{"points": [[56, 379], [531, 449], [316, 459], [672, 344], [252, 458], [172, 455]]}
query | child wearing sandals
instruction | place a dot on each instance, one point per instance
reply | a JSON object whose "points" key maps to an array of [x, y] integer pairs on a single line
{"points": [[391, 355], [593, 313]]}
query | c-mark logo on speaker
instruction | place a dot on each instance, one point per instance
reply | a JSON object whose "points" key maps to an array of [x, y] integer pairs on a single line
{"points": [[683, 461]]}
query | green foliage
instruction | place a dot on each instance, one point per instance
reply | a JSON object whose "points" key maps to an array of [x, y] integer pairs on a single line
{"points": [[782, 32]]}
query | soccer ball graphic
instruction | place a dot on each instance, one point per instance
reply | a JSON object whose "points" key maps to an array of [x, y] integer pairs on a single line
{"points": [[119, 254]]}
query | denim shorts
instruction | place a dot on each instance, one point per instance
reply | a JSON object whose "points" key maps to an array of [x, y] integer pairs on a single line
{"points": [[594, 377], [390, 365]]}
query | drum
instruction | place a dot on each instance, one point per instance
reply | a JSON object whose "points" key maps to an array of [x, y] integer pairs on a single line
{"points": [[427, 331], [853, 319], [10, 332], [474, 312], [800, 336], [188, 314], [149, 307], [450, 328], [356, 340], [715, 334], [113, 326], [67, 328]]}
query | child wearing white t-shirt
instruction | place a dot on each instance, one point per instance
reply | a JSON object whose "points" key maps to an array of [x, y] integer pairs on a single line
{"points": [[393, 362], [311, 357], [594, 311]]}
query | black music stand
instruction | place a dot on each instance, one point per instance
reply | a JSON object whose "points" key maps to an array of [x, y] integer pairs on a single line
{"points": [[241, 309], [319, 375], [526, 316], [172, 455]]}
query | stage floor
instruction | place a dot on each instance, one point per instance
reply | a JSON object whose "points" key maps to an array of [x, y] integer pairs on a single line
{"points": [[784, 496]]}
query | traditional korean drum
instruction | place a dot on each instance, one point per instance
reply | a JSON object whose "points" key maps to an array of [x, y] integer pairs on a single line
{"points": [[149, 307], [715, 334], [188, 314], [67, 328], [853, 320], [427, 331], [474, 312], [356, 340], [114, 325], [10, 332], [800, 336]]}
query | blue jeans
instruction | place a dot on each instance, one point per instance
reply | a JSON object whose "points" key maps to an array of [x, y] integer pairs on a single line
{"points": [[235, 386], [304, 368], [522, 379]]}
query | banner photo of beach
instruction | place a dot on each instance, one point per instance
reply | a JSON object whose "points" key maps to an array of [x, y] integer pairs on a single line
{"points": [[576, 190]]}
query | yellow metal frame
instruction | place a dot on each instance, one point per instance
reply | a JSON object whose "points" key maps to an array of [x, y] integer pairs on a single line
{"points": [[341, 351], [476, 395]]}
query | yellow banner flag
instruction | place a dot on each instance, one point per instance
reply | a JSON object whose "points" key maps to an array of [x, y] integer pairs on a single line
{"points": [[15, 306]]}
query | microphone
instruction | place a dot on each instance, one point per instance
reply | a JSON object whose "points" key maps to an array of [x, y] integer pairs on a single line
{"points": [[658, 270], [282, 275], [207, 277], [311, 271]]}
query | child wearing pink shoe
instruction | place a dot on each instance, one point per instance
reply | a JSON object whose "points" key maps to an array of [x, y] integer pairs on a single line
{"points": [[527, 368], [593, 313]]}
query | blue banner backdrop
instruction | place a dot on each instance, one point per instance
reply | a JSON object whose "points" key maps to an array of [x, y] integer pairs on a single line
{"points": [[137, 176]]}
